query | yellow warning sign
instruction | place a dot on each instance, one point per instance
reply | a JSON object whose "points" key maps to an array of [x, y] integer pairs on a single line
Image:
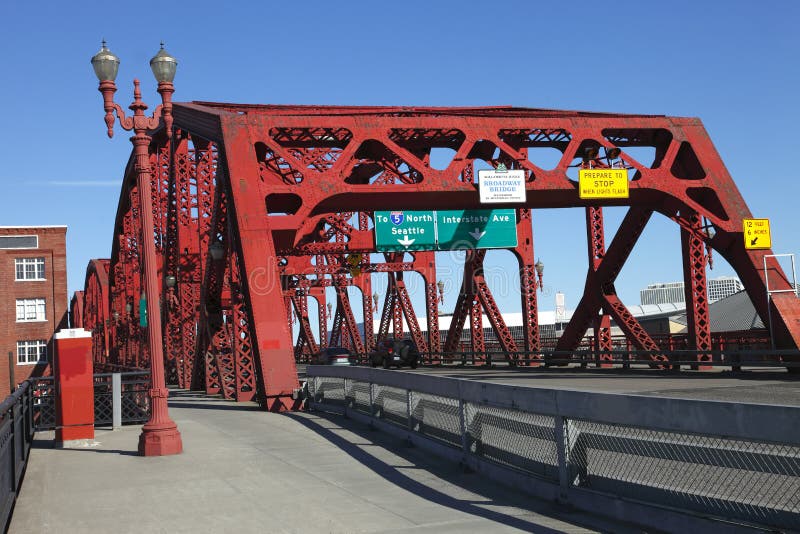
{"points": [[603, 183], [756, 234]]}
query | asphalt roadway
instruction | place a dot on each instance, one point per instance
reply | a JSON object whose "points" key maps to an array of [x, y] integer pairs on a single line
{"points": [[756, 385]]}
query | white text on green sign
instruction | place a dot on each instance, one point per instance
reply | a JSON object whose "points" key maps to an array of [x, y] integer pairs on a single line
{"points": [[445, 230], [471, 229], [405, 230]]}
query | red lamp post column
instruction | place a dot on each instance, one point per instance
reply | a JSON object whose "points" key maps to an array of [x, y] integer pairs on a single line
{"points": [[160, 435]]}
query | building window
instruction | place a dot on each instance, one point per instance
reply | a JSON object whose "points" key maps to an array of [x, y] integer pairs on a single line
{"points": [[31, 352], [19, 241], [29, 268], [30, 310]]}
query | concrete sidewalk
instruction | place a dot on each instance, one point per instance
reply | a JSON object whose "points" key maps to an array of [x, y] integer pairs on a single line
{"points": [[244, 470]]}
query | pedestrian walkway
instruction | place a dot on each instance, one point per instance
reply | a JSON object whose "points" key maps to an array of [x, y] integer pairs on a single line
{"points": [[244, 470]]}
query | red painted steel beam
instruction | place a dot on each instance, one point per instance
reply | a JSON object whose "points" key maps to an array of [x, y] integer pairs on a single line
{"points": [[306, 334], [348, 322], [600, 284], [698, 317], [595, 238], [527, 286], [97, 316], [246, 380], [76, 310], [407, 308]]}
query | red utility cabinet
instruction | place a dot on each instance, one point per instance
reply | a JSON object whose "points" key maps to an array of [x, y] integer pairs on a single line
{"points": [[73, 372]]}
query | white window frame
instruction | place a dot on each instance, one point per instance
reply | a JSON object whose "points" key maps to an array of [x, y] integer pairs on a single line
{"points": [[27, 350], [31, 310], [28, 264]]}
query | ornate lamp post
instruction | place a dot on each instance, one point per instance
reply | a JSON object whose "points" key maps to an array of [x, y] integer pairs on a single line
{"points": [[440, 285], [539, 266], [160, 434]]}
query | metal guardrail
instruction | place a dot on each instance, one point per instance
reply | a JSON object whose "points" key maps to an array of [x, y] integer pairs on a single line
{"points": [[672, 464], [16, 437], [32, 408], [44, 402], [121, 398], [624, 359]]}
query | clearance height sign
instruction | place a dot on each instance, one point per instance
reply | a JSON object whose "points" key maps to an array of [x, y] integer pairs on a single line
{"points": [[603, 183], [757, 235]]}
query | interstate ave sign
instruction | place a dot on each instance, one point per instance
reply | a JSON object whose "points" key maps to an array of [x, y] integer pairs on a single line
{"points": [[445, 230], [468, 229]]}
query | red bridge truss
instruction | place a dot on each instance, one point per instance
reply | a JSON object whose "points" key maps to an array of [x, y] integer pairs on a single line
{"points": [[259, 208]]}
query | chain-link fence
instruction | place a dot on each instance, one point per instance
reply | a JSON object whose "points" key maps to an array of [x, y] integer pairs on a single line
{"points": [[734, 462]]}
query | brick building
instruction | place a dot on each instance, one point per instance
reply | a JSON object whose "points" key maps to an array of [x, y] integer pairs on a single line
{"points": [[33, 299]]}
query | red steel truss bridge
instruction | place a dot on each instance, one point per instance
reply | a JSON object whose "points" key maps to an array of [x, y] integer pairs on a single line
{"points": [[258, 208]]}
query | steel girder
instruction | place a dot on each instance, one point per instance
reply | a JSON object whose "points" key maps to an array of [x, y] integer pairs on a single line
{"points": [[296, 173], [595, 238], [76, 310], [527, 286], [96, 316], [695, 288]]}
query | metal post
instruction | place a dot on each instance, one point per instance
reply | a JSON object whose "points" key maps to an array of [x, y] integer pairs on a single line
{"points": [[770, 292], [409, 400], [12, 365], [116, 401], [371, 404], [462, 423], [561, 453], [160, 435]]}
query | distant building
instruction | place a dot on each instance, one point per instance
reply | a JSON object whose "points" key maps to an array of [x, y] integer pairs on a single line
{"points": [[551, 323], [720, 288], [672, 292], [33, 276]]}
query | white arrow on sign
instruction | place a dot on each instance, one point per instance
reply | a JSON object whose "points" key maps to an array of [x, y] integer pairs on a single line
{"points": [[405, 241], [477, 234]]}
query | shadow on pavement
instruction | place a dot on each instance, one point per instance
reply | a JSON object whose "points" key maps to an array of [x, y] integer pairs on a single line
{"points": [[447, 471]]}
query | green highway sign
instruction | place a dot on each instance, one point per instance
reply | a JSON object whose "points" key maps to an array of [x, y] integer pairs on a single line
{"points": [[405, 230], [445, 230], [470, 229]]}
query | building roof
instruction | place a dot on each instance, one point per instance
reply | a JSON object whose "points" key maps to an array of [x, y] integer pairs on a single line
{"points": [[653, 311], [33, 227], [548, 317], [731, 314]]}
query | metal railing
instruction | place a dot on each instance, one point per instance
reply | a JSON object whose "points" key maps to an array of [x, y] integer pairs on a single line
{"points": [[672, 464], [16, 437], [121, 398], [44, 402], [620, 359]]}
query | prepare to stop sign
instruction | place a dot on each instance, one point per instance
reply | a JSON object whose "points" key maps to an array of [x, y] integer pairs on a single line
{"points": [[603, 183]]}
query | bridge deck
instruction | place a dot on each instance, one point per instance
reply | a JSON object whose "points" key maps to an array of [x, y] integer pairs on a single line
{"points": [[249, 471]]}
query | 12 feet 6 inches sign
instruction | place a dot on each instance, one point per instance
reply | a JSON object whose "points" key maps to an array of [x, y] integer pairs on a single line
{"points": [[499, 186]]}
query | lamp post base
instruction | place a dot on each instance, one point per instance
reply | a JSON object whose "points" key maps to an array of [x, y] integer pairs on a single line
{"points": [[160, 442]]}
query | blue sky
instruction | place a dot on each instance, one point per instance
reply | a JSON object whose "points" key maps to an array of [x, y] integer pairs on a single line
{"points": [[733, 64]]}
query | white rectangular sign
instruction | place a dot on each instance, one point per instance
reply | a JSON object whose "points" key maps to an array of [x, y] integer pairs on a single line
{"points": [[498, 187]]}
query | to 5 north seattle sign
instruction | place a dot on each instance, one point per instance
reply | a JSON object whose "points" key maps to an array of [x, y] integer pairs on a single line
{"points": [[445, 230]]}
